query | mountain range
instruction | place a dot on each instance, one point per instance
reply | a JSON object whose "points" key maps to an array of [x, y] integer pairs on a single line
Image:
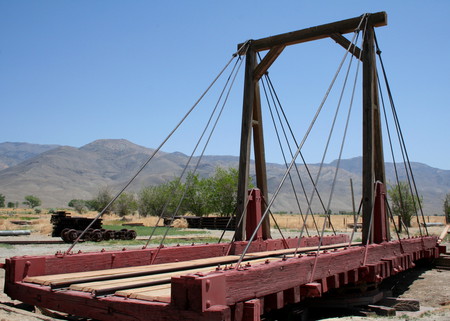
{"points": [[57, 174]]}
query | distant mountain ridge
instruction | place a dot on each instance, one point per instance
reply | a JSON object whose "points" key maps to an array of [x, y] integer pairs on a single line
{"points": [[13, 153], [57, 174]]}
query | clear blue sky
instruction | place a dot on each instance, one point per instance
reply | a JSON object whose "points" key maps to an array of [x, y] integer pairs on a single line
{"points": [[72, 72]]}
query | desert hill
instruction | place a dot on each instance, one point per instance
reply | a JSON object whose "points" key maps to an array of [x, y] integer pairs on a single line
{"points": [[57, 174]]}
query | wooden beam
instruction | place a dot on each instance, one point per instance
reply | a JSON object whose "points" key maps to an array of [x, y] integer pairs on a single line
{"points": [[246, 136], [378, 19], [367, 135], [344, 42], [260, 158], [267, 61]]}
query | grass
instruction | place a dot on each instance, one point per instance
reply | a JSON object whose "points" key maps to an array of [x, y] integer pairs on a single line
{"points": [[147, 230], [28, 218], [6, 246]]}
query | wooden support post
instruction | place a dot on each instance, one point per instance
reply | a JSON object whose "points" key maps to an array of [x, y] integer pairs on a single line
{"points": [[368, 59], [251, 123], [373, 159], [380, 226], [254, 214], [246, 132], [252, 310], [260, 158]]}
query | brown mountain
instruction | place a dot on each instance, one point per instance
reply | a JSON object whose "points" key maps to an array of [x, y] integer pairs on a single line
{"points": [[61, 173], [13, 153]]}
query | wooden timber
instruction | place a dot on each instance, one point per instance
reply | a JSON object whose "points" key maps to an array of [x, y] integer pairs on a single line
{"points": [[378, 19], [66, 279], [213, 294]]}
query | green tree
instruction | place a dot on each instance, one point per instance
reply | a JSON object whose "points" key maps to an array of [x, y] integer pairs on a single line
{"points": [[32, 201], [222, 191], [216, 194], [447, 208], [125, 204], [103, 198], [78, 205], [403, 203], [152, 200], [11, 205], [91, 205], [2, 200], [196, 196]]}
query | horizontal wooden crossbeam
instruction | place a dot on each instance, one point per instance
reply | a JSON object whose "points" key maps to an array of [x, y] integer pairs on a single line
{"points": [[378, 19]]}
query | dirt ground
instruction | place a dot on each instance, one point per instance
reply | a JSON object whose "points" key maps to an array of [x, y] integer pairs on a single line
{"points": [[429, 285]]}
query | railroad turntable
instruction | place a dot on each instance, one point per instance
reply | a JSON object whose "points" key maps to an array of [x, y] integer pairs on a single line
{"points": [[253, 274]]}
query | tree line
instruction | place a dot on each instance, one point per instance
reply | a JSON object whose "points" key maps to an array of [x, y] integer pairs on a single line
{"points": [[201, 196], [30, 201], [195, 195]]}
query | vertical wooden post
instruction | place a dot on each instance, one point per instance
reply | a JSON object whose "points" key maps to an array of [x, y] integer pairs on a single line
{"points": [[373, 158], [378, 159], [246, 133], [260, 159], [368, 59], [254, 214]]}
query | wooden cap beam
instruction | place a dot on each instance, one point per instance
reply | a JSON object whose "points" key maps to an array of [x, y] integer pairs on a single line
{"points": [[378, 19]]}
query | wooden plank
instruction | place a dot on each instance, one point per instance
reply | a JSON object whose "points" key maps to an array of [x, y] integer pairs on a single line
{"points": [[67, 279], [127, 293], [114, 285], [382, 310], [319, 32], [160, 293], [111, 286], [59, 279]]}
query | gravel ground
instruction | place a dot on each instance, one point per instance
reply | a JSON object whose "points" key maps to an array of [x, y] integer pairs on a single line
{"points": [[430, 286]]}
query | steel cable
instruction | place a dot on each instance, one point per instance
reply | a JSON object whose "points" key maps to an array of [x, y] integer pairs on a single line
{"points": [[201, 156], [277, 191], [243, 47]]}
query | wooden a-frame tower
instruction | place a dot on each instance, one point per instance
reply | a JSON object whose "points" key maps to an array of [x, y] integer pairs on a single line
{"points": [[252, 126]]}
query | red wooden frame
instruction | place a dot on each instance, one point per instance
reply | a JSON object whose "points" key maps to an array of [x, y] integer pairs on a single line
{"points": [[226, 294]]}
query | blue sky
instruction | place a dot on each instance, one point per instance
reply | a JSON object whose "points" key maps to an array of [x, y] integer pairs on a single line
{"points": [[72, 72]]}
